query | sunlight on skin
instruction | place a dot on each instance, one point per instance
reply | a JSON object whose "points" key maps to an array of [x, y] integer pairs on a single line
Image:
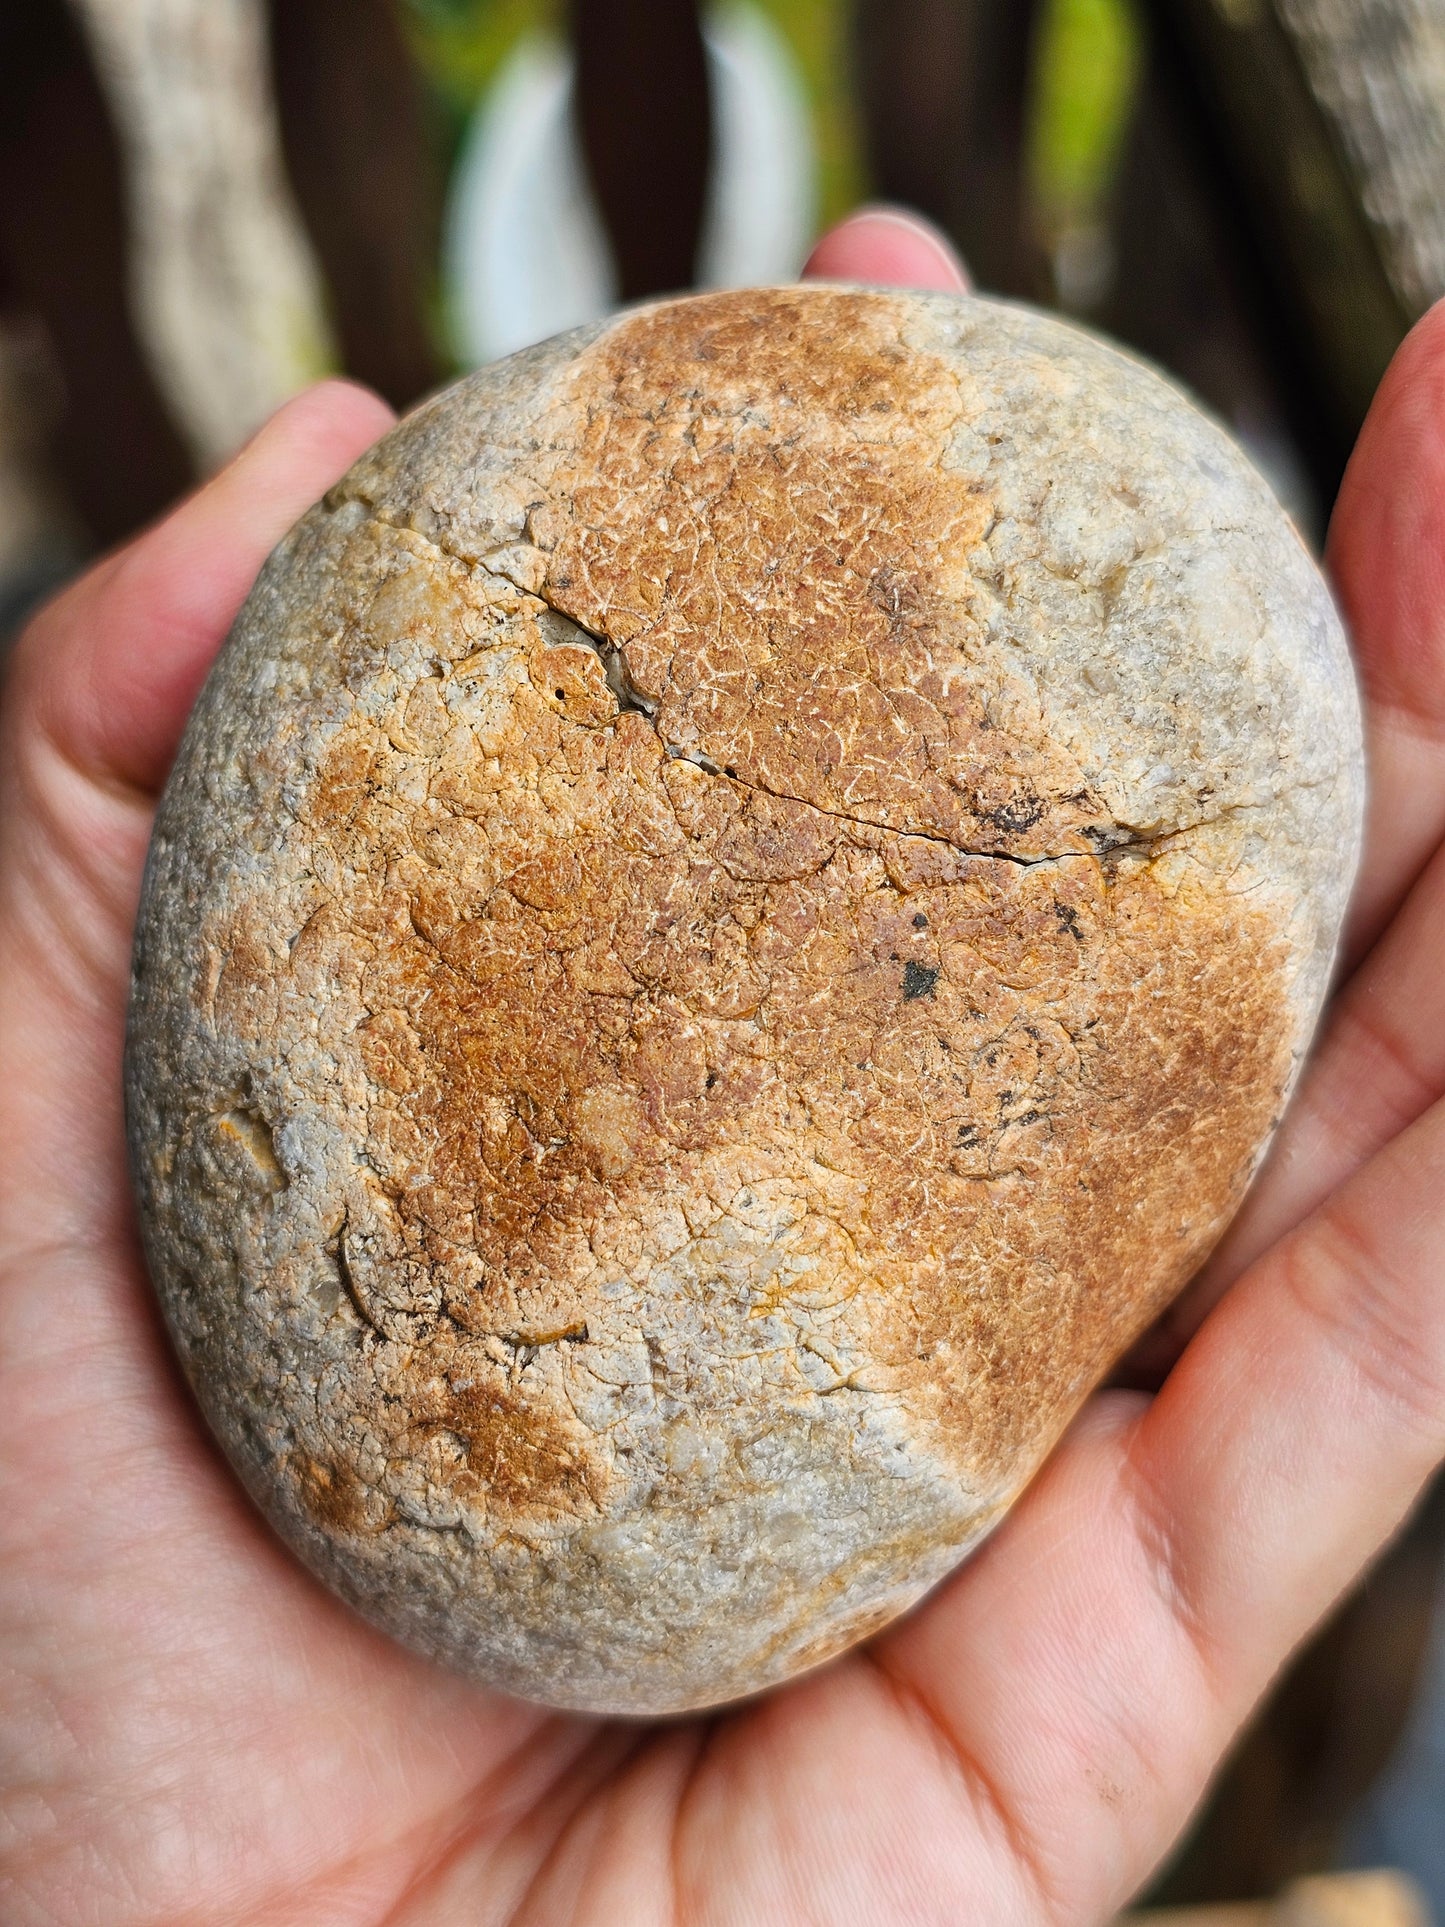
{"points": [[194, 1731]]}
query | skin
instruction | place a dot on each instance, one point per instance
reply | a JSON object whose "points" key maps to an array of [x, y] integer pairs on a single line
{"points": [[192, 1730]]}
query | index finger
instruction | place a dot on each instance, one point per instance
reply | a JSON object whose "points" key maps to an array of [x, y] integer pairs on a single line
{"points": [[1386, 553]]}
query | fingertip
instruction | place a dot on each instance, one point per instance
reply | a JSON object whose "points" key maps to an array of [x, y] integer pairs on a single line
{"points": [[890, 247], [333, 420]]}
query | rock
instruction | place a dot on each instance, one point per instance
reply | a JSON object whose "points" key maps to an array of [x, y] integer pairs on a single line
{"points": [[731, 924]]}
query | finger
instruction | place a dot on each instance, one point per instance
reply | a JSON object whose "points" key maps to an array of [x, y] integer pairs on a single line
{"points": [[1386, 552], [101, 685], [891, 247], [103, 679], [1131, 1611], [108, 673]]}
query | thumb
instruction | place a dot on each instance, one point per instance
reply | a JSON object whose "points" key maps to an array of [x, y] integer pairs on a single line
{"points": [[99, 689], [109, 671]]}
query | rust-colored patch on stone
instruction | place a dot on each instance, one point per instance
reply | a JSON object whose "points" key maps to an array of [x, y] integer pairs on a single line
{"points": [[519, 1457], [336, 1499], [342, 785], [1035, 1154], [763, 519], [1104, 1139]]}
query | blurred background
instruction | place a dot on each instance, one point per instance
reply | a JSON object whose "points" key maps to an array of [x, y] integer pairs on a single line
{"points": [[205, 204]]}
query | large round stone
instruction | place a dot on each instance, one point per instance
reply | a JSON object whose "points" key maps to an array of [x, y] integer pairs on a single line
{"points": [[731, 924]]}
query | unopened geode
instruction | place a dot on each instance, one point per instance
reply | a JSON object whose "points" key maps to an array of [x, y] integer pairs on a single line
{"points": [[731, 924]]}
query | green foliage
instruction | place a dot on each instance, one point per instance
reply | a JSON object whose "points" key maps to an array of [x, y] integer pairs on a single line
{"points": [[1086, 68], [459, 45]]}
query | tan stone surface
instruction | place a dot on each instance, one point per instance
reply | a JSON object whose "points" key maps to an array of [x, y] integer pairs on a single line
{"points": [[731, 924]]}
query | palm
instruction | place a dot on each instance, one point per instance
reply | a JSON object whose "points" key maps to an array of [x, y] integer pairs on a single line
{"points": [[193, 1730], [209, 1735]]}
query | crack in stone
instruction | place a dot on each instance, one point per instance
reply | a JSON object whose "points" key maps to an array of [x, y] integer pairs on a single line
{"points": [[347, 1275], [1109, 842], [631, 698]]}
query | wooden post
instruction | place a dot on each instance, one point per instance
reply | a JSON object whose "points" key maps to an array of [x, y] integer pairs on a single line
{"points": [[943, 89], [366, 180], [1333, 114], [643, 110], [63, 230]]}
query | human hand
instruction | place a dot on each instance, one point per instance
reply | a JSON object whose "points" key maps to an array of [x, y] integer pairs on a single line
{"points": [[193, 1730]]}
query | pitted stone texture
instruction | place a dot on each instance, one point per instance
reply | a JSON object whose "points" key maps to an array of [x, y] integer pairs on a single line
{"points": [[730, 925]]}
